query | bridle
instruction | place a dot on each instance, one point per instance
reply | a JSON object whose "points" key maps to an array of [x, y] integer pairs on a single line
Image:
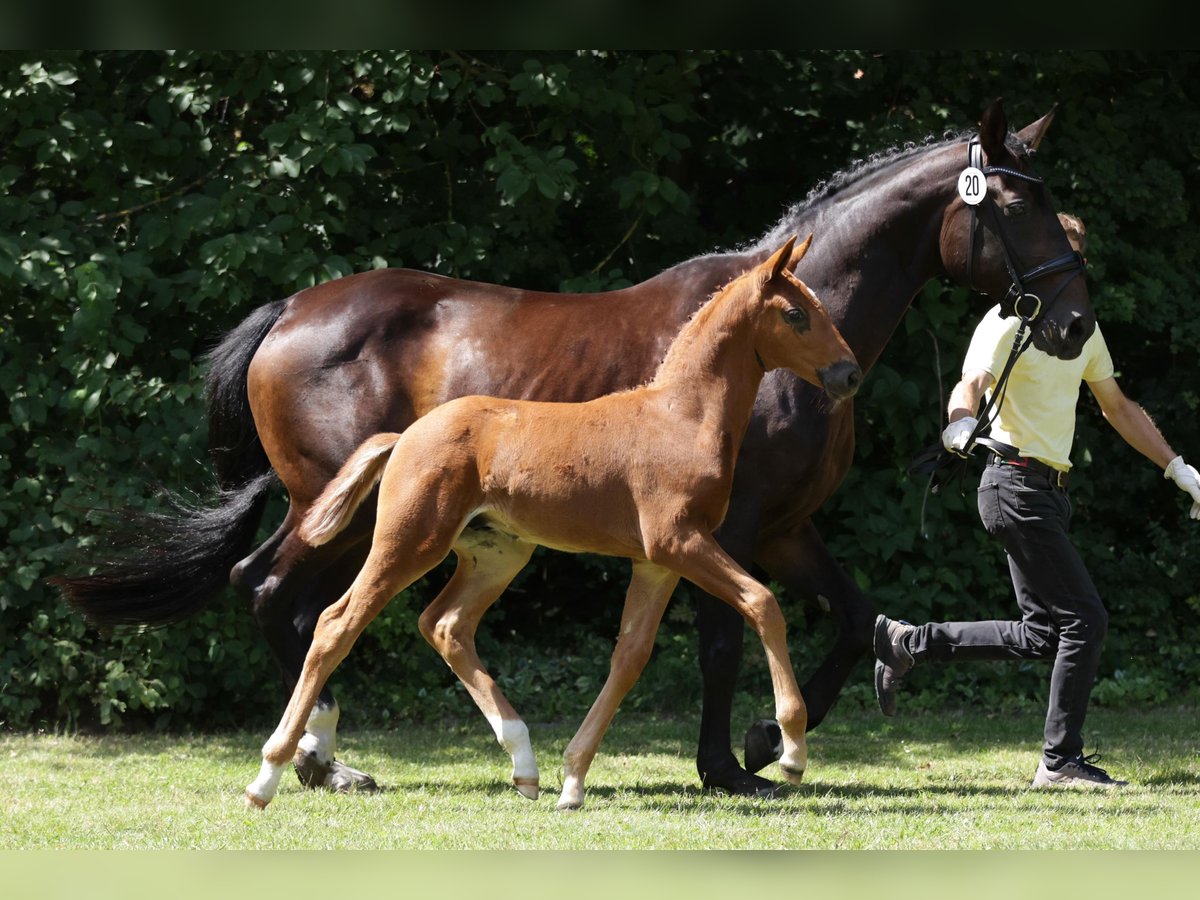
{"points": [[1017, 293], [1019, 301]]}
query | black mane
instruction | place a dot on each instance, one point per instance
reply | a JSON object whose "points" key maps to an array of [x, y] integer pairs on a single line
{"points": [[845, 178]]}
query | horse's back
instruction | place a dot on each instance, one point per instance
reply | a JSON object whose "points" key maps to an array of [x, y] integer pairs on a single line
{"points": [[375, 351]]}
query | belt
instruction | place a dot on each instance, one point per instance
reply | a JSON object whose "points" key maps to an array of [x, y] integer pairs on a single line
{"points": [[1007, 455], [1056, 477]]}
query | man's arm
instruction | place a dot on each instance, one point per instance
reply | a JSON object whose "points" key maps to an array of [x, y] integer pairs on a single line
{"points": [[964, 399], [1140, 433], [964, 404], [1132, 422]]}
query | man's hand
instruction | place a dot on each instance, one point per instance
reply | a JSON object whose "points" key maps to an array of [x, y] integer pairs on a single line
{"points": [[1188, 479], [954, 437]]}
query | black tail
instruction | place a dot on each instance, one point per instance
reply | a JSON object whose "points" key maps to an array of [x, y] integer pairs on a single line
{"points": [[161, 568], [232, 437]]}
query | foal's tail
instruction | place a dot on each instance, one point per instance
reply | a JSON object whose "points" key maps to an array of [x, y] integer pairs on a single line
{"points": [[343, 496], [154, 569]]}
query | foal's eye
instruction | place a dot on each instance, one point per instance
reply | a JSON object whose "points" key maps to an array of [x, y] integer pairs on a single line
{"points": [[795, 317], [1015, 209]]}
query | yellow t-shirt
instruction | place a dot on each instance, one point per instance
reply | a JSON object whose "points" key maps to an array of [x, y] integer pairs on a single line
{"points": [[1038, 413]]}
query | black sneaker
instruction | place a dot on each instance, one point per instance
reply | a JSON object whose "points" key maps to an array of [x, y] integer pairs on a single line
{"points": [[1078, 771], [892, 661]]}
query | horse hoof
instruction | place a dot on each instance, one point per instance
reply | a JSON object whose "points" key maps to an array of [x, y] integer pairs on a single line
{"points": [[253, 802], [764, 744], [736, 781], [310, 770], [527, 787], [345, 780], [569, 805], [794, 776], [332, 776]]}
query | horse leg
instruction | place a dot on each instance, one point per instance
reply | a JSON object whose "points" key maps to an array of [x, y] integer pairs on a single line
{"points": [[800, 562], [288, 584], [701, 560], [487, 563], [720, 634], [650, 589]]}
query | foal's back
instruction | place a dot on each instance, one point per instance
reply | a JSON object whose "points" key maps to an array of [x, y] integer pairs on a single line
{"points": [[572, 476]]}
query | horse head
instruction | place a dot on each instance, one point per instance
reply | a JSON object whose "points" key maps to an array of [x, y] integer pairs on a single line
{"points": [[796, 331], [1008, 242]]}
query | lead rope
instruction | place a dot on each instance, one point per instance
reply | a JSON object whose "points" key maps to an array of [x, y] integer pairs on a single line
{"points": [[987, 416]]}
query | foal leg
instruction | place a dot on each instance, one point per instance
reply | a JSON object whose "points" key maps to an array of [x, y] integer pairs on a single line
{"points": [[288, 584], [800, 562], [650, 590], [399, 556], [316, 763], [700, 559], [487, 562]]}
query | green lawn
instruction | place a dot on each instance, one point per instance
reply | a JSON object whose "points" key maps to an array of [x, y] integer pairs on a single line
{"points": [[928, 782]]}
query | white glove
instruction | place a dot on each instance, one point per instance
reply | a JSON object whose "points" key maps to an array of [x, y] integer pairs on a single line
{"points": [[954, 437], [1188, 479]]}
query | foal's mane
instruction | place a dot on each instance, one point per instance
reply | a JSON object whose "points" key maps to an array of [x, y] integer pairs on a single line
{"points": [[681, 351]]}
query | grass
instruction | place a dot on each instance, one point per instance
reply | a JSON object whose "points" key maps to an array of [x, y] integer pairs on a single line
{"points": [[930, 782]]}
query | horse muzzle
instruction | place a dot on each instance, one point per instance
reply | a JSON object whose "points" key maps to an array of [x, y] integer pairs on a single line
{"points": [[1064, 340], [841, 380]]}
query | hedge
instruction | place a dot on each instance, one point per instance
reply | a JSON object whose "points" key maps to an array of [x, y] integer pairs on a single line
{"points": [[150, 200]]}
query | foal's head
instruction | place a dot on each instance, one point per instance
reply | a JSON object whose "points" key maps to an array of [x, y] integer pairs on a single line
{"points": [[795, 331]]}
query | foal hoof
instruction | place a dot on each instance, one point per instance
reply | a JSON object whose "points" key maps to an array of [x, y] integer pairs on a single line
{"points": [[253, 802], [793, 775], [527, 787]]}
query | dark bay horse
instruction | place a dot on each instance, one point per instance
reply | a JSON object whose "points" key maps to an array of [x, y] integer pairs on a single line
{"points": [[643, 474], [301, 382]]}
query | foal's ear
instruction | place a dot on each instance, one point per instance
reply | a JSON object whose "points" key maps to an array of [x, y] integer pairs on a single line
{"points": [[781, 257], [993, 129], [798, 253], [1032, 134]]}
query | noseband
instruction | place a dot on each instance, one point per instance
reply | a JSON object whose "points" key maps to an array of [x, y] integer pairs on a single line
{"points": [[1015, 299]]}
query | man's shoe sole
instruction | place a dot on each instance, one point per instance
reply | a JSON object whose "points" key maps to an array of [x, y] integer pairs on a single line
{"points": [[1043, 781]]}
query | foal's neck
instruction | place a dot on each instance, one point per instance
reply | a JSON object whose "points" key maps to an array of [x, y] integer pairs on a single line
{"points": [[711, 370]]}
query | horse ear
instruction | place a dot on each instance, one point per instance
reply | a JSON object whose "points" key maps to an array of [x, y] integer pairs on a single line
{"points": [[1032, 134], [770, 269], [798, 253], [993, 129]]}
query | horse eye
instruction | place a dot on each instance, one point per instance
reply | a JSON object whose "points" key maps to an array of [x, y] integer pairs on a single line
{"points": [[795, 316], [1016, 208]]}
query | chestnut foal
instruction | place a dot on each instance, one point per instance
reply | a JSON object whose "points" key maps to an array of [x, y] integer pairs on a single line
{"points": [[644, 474]]}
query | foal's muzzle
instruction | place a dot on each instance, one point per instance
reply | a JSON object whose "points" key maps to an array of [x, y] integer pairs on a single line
{"points": [[841, 380]]}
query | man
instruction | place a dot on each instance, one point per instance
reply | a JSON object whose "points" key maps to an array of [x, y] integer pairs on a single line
{"points": [[1023, 502]]}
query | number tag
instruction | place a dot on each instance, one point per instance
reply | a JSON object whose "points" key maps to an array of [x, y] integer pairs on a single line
{"points": [[972, 186]]}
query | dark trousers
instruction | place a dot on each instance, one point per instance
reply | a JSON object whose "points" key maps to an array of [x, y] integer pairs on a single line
{"points": [[1062, 616]]}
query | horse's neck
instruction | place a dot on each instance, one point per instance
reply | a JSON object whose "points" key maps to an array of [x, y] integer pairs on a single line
{"points": [[711, 372], [875, 246]]}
